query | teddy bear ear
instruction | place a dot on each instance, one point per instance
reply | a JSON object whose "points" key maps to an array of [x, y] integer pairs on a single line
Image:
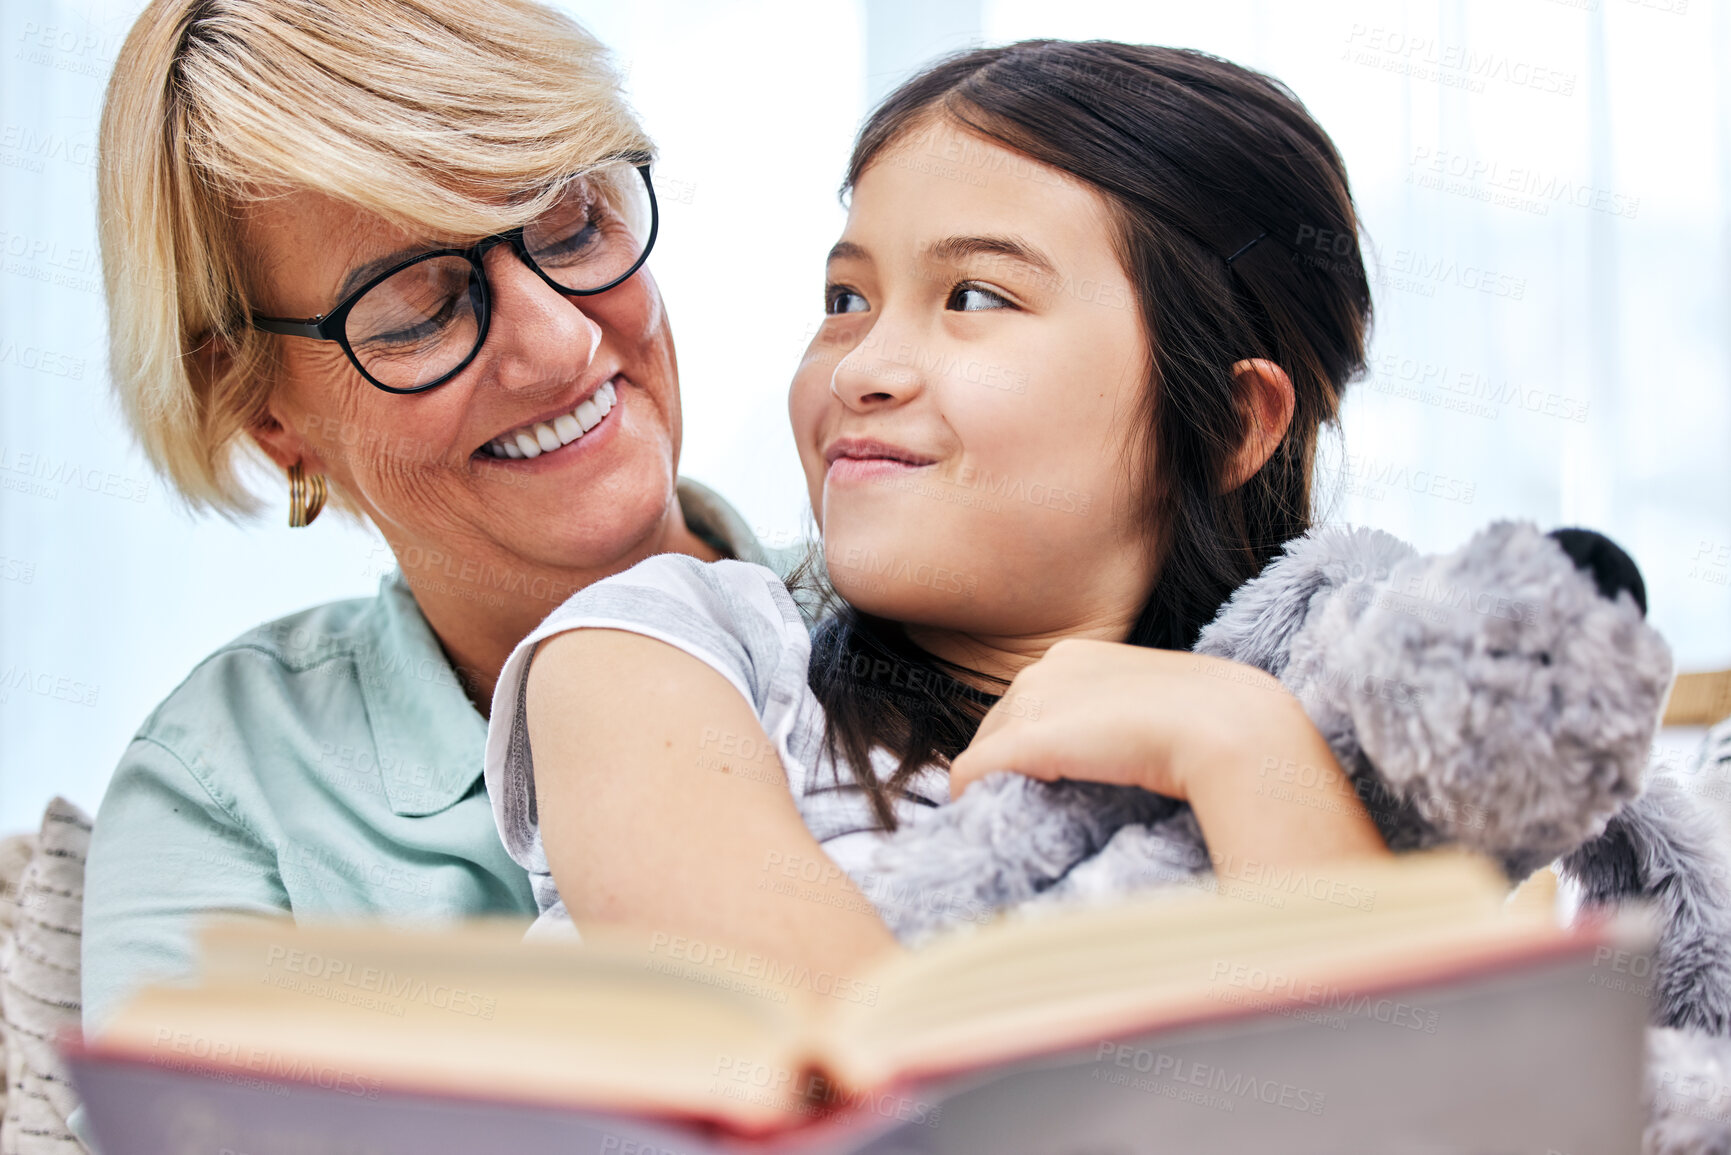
{"points": [[1613, 570]]}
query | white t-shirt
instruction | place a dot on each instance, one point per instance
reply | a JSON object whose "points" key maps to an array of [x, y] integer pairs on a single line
{"points": [[739, 620]]}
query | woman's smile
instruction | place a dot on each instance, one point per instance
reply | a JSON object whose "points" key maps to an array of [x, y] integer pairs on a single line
{"points": [[547, 436]]}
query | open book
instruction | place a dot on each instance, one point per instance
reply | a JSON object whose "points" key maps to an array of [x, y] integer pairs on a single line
{"points": [[1327, 1007]]}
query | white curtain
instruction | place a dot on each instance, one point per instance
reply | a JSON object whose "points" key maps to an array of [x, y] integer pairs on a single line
{"points": [[1543, 184]]}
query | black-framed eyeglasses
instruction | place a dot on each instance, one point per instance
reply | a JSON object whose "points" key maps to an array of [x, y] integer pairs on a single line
{"points": [[418, 323]]}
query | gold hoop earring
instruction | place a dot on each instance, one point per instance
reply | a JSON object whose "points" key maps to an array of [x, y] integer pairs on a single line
{"points": [[306, 496]]}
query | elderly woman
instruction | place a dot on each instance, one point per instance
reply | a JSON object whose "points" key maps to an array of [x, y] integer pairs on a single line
{"points": [[291, 194]]}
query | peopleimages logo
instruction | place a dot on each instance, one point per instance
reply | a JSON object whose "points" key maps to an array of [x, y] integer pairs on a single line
{"points": [[1513, 186], [808, 1091], [1371, 478], [30, 149], [1424, 57], [42, 683], [284, 963], [1281, 880], [1472, 278], [1472, 390], [1202, 1083], [40, 360], [1281, 988], [868, 562], [42, 467], [750, 968], [48, 262], [182, 1050]]}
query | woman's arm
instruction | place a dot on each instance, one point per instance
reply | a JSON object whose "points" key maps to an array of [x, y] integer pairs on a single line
{"points": [[649, 815], [1226, 737], [164, 857]]}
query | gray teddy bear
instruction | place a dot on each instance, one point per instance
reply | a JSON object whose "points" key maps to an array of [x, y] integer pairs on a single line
{"points": [[1503, 697]]}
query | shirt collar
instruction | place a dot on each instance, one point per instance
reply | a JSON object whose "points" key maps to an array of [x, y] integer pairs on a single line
{"points": [[429, 736]]}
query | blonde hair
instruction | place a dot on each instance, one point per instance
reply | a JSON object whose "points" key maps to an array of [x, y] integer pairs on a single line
{"points": [[450, 117]]}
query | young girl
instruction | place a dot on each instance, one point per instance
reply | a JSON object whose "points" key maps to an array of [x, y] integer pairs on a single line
{"points": [[1064, 400]]}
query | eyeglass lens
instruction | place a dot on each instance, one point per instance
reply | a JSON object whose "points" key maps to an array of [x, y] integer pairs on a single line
{"points": [[424, 321]]}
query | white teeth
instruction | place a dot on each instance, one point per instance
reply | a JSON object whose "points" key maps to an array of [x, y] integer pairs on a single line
{"points": [[544, 436]]}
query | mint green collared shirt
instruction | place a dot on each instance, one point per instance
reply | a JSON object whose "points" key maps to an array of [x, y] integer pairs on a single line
{"points": [[326, 764]]}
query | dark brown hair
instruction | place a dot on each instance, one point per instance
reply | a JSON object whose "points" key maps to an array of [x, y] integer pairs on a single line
{"points": [[1220, 186]]}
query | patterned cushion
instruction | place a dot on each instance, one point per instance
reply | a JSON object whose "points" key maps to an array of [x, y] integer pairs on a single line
{"points": [[15, 855], [39, 993]]}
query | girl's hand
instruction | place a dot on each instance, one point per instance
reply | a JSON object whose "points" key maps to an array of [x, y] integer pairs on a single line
{"points": [[1225, 737], [1110, 712]]}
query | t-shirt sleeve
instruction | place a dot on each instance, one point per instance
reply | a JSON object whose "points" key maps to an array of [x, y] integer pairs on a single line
{"points": [[164, 857], [735, 617]]}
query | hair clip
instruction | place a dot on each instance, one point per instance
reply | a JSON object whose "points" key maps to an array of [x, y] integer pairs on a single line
{"points": [[1250, 244]]}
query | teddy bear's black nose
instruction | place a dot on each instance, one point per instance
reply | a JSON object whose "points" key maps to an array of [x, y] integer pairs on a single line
{"points": [[1613, 570]]}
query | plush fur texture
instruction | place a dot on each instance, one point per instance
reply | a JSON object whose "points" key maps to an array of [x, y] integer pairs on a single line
{"points": [[1689, 1071], [1664, 849], [1688, 1093], [1503, 697]]}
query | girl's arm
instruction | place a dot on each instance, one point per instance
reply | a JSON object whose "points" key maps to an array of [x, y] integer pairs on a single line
{"points": [[650, 813], [1226, 737]]}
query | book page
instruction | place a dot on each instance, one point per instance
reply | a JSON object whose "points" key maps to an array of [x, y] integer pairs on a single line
{"points": [[1033, 983], [614, 1024]]}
